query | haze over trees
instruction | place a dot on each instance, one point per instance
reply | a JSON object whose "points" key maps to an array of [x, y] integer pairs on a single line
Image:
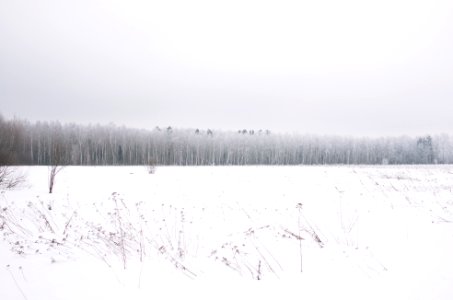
{"points": [[45, 143]]}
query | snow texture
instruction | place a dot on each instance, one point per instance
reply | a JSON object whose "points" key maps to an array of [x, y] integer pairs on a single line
{"points": [[316, 232]]}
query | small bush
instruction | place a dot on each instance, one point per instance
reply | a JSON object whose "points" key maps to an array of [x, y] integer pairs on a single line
{"points": [[151, 167], [9, 178]]}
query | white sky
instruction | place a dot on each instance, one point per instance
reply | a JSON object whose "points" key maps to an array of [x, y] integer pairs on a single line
{"points": [[325, 67]]}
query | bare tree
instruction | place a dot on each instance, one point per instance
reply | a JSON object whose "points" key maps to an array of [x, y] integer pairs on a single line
{"points": [[24, 143], [56, 163]]}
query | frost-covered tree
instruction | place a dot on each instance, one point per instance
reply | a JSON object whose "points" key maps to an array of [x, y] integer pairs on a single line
{"points": [[425, 151], [24, 143]]}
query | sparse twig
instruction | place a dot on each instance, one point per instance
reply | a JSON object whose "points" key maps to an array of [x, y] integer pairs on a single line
{"points": [[67, 223], [120, 228], [258, 271], [8, 178], [299, 207], [16, 283]]}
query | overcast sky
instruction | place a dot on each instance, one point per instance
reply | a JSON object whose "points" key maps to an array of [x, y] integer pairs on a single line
{"points": [[321, 66]]}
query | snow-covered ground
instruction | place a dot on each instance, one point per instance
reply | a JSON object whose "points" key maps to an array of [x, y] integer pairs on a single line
{"points": [[314, 232]]}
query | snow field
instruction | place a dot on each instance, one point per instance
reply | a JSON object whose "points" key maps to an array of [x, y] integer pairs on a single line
{"points": [[322, 232]]}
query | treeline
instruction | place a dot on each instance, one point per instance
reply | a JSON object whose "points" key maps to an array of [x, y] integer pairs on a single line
{"points": [[50, 143]]}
